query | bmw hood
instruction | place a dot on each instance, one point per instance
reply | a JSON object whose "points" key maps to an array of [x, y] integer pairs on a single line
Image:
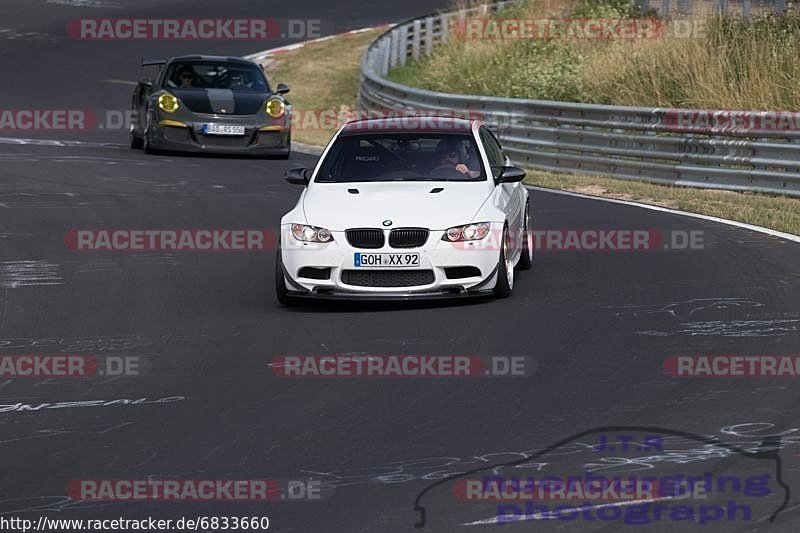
{"points": [[426, 204], [221, 101]]}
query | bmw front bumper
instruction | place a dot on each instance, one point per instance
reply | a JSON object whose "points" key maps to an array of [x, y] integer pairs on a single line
{"points": [[327, 271]]}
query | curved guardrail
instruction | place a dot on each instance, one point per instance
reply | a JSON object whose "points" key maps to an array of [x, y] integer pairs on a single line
{"points": [[744, 150]]}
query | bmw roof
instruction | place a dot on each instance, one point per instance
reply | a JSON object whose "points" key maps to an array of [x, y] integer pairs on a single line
{"points": [[427, 123]]}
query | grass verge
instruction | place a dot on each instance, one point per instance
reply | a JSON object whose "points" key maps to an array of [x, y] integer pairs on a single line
{"points": [[324, 79], [326, 75], [774, 212], [717, 63]]}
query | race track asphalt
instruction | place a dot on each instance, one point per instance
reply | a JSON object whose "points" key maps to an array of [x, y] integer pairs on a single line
{"points": [[598, 324]]}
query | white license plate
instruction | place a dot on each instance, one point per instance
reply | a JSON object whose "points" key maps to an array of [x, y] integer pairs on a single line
{"points": [[386, 260], [222, 129]]}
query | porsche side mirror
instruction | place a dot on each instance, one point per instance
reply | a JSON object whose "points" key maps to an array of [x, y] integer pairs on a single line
{"points": [[146, 82], [282, 88], [508, 174], [298, 176]]}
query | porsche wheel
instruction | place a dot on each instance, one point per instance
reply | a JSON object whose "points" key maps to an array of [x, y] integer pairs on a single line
{"points": [[136, 141], [147, 138]]}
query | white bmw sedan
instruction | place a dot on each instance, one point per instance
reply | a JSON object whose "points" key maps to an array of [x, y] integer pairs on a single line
{"points": [[402, 210]]}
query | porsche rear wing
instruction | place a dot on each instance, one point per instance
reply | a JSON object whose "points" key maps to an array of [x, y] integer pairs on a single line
{"points": [[152, 62]]}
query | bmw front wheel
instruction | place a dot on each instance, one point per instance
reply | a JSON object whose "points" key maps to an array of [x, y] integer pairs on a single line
{"points": [[505, 268], [526, 257]]}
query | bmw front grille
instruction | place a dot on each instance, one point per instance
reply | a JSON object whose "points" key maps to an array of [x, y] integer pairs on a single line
{"points": [[408, 237], [372, 238], [365, 237]]}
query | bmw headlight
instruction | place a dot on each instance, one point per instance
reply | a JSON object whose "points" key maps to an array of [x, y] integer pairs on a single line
{"points": [[468, 232], [305, 233], [275, 107], [168, 102]]}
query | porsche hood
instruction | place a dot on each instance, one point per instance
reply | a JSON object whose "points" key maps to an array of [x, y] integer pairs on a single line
{"points": [[428, 204], [221, 101]]}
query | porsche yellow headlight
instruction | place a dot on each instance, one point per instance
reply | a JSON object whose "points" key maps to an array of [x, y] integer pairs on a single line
{"points": [[275, 108], [168, 103]]}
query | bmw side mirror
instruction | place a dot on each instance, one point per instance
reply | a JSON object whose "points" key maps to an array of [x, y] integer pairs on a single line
{"points": [[282, 88], [508, 174], [298, 176]]}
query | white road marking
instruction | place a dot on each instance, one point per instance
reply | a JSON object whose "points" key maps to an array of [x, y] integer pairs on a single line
{"points": [[86, 3], [751, 227], [55, 142], [261, 56], [16, 274]]}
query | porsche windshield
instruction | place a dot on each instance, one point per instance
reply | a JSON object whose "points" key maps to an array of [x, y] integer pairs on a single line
{"points": [[402, 157], [215, 75]]}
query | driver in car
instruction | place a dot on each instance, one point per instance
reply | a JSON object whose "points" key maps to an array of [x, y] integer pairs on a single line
{"points": [[237, 81], [448, 154], [186, 79]]}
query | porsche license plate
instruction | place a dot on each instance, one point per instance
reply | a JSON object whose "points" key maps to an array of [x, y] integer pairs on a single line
{"points": [[386, 260], [222, 129]]}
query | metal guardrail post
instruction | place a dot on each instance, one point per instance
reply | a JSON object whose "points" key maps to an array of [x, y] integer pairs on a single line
{"points": [[402, 44], [428, 35], [415, 38], [385, 54]]}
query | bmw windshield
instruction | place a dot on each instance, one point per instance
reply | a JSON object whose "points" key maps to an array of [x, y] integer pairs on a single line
{"points": [[402, 157]]}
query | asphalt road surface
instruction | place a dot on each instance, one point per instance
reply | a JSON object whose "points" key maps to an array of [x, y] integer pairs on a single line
{"points": [[598, 324]]}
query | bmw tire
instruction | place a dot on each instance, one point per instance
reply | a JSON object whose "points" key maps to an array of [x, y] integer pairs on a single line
{"points": [[526, 257], [505, 269]]}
